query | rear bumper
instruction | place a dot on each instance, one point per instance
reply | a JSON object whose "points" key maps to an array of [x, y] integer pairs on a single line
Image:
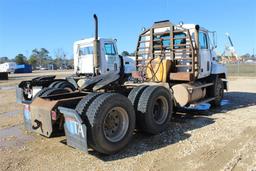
{"points": [[75, 129]]}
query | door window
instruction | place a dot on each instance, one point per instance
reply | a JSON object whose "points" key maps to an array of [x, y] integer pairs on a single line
{"points": [[109, 49], [85, 51], [203, 40]]}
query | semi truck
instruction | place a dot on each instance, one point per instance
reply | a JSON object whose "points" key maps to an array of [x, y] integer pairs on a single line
{"points": [[175, 67]]}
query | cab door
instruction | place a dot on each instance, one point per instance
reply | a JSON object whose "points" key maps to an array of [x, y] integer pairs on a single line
{"points": [[205, 55], [85, 59], [111, 60]]}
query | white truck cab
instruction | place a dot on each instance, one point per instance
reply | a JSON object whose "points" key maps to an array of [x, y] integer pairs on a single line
{"points": [[83, 56], [207, 56]]}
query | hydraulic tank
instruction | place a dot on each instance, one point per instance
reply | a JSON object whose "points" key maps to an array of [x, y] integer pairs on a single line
{"points": [[188, 93], [157, 69]]}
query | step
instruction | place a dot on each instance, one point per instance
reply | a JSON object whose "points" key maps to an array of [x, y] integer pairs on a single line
{"points": [[205, 100]]}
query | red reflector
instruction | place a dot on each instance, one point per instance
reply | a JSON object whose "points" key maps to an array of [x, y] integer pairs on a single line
{"points": [[27, 107], [54, 115]]}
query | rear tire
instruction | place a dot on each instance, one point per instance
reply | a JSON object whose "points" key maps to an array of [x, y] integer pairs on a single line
{"points": [[155, 109], [111, 123], [134, 97], [84, 104], [135, 94]]}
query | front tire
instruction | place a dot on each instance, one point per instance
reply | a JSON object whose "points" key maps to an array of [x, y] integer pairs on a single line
{"points": [[217, 91], [111, 122]]}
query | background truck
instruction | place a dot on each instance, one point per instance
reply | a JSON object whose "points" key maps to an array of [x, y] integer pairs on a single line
{"points": [[84, 68], [175, 67]]}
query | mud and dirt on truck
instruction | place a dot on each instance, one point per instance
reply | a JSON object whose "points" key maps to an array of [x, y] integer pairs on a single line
{"points": [[175, 67]]}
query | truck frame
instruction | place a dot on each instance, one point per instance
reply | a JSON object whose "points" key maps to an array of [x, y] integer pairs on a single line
{"points": [[175, 68]]}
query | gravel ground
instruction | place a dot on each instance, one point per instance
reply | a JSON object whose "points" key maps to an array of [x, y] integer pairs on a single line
{"points": [[219, 139]]}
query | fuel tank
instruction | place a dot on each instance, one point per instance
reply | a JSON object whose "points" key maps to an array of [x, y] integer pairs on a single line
{"points": [[188, 93]]}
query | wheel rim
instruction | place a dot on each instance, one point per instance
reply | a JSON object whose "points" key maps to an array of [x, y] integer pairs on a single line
{"points": [[115, 124], [160, 110]]}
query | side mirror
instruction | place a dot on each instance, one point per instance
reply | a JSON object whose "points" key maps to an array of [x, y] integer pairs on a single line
{"points": [[214, 36]]}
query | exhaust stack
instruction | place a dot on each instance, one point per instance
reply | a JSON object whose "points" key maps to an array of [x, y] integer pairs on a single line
{"points": [[96, 48], [96, 26]]}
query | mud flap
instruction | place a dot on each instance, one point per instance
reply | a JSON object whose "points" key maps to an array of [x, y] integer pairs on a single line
{"points": [[75, 129]]}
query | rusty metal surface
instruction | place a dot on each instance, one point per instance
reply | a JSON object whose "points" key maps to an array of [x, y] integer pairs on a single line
{"points": [[41, 116], [41, 109]]}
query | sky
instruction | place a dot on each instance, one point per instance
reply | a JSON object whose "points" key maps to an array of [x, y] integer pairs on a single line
{"points": [[56, 24]]}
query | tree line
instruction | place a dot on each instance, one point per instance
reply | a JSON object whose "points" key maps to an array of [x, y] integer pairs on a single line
{"points": [[40, 58]]}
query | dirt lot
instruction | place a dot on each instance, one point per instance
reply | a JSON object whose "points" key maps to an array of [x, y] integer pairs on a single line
{"points": [[220, 139]]}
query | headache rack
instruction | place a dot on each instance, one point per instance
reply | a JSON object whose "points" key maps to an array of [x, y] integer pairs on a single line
{"points": [[171, 42]]}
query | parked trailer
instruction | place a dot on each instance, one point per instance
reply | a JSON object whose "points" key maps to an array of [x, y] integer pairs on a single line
{"points": [[23, 68], [173, 70], [8, 67], [5, 69]]}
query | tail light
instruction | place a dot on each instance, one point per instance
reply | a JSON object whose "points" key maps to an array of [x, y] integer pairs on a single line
{"points": [[54, 115]]}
